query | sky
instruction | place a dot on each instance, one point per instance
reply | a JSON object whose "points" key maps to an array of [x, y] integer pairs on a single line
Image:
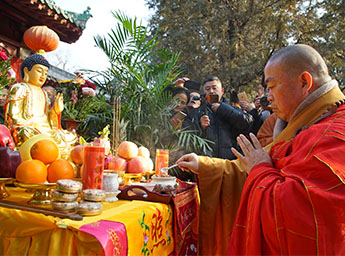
{"points": [[83, 54]]}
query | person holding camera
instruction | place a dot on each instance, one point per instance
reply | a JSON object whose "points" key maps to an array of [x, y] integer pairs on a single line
{"points": [[194, 101], [260, 109], [253, 109], [180, 97], [217, 120]]}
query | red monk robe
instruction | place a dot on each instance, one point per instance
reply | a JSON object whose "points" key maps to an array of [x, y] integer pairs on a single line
{"points": [[298, 206], [221, 183]]}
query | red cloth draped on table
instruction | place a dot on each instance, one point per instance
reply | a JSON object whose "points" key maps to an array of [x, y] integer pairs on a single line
{"points": [[186, 206]]}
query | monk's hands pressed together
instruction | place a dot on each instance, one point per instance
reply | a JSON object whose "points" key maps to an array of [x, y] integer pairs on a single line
{"points": [[254, 154], [189, 163]]}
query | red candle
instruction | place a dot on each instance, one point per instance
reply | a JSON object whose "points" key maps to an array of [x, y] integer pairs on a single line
{"points": [[93, 167], [162, 159]]}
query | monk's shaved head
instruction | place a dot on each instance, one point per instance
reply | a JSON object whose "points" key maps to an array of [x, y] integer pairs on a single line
{"points": [[298, 58]]}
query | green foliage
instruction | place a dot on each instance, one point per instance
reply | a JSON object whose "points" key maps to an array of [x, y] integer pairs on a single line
{"points": [[78, 106], [93, 111], [95, 122], [138, 75], [89, 105], [5, 65], [234, 39], [70, 111]]}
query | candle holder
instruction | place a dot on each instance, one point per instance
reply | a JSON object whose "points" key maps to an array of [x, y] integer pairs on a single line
{"points": [[3, 191], [110, 186]]}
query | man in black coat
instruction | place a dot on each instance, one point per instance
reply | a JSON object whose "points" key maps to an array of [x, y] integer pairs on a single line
{"points": [[218, 121]]}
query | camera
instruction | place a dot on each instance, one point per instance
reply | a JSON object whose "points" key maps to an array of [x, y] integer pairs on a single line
{"points": [[192, 85], [212, 98], [209, 98], [264, 101]]}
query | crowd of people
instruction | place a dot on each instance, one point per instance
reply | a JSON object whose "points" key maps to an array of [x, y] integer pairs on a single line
{"points": [[205, 110], [220, 121]]}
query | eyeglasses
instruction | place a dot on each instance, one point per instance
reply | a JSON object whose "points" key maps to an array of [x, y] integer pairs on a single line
{"points": [[196, 98]]}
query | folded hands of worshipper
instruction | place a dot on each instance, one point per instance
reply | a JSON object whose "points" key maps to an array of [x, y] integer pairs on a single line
{"points": [[253, 154]]}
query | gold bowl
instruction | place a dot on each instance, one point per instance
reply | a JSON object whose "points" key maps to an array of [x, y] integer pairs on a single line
{"points": [[132, 178], [3, 192], [42, 191], [148, 175]]}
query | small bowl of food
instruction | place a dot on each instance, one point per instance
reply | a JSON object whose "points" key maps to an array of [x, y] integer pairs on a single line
{"points": [[164, 184]]}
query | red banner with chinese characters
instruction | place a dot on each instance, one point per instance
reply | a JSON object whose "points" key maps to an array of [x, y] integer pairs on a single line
{"points": [[186, 217]]}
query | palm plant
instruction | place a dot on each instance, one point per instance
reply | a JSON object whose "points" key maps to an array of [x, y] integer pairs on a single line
{"points": [[138, 75]]}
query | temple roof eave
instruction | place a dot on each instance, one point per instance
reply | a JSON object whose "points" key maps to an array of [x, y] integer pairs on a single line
{"points": [[68, 25]]}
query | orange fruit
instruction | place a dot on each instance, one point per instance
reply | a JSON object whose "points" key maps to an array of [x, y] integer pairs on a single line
{"points": [[77, 154], [31, 171], [45, 150], [60, 169]]}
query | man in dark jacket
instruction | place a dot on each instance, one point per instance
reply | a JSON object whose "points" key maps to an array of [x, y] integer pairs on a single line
{"points": [[218, 121]]}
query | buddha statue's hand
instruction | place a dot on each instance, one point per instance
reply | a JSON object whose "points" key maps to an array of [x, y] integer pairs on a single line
{"points": [[58, 107]]}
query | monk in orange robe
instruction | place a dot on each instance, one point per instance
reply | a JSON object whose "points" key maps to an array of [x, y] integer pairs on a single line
{"points": [[293, 200]]}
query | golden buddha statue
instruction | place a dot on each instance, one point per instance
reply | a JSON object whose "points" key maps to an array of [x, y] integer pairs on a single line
{"points": [[27, 111]]}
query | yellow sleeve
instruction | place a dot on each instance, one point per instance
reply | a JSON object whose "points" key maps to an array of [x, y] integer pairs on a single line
{"points": [[220, 184]]}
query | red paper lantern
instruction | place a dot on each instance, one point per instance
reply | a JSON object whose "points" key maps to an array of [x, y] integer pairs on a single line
{"points": [[41, 38]]}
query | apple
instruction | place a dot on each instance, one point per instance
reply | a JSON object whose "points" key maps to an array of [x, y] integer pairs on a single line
{"points": [[143, 151], [137, 165], [77, 154], [149, 164], [118, 163], [9, 161], [127, 149]]}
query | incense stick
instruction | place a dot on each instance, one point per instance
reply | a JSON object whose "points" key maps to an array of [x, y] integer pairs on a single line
{"points": [[114, 127], [116, 123]]}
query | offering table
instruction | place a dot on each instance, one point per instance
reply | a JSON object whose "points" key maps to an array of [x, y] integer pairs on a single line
{"points": [[124, 228]]}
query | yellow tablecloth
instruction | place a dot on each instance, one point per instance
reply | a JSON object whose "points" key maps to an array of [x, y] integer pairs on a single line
{"points": [[24, 233]]}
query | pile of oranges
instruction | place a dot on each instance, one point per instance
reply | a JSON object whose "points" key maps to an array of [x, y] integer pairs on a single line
{"points": [[44, 165]]}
